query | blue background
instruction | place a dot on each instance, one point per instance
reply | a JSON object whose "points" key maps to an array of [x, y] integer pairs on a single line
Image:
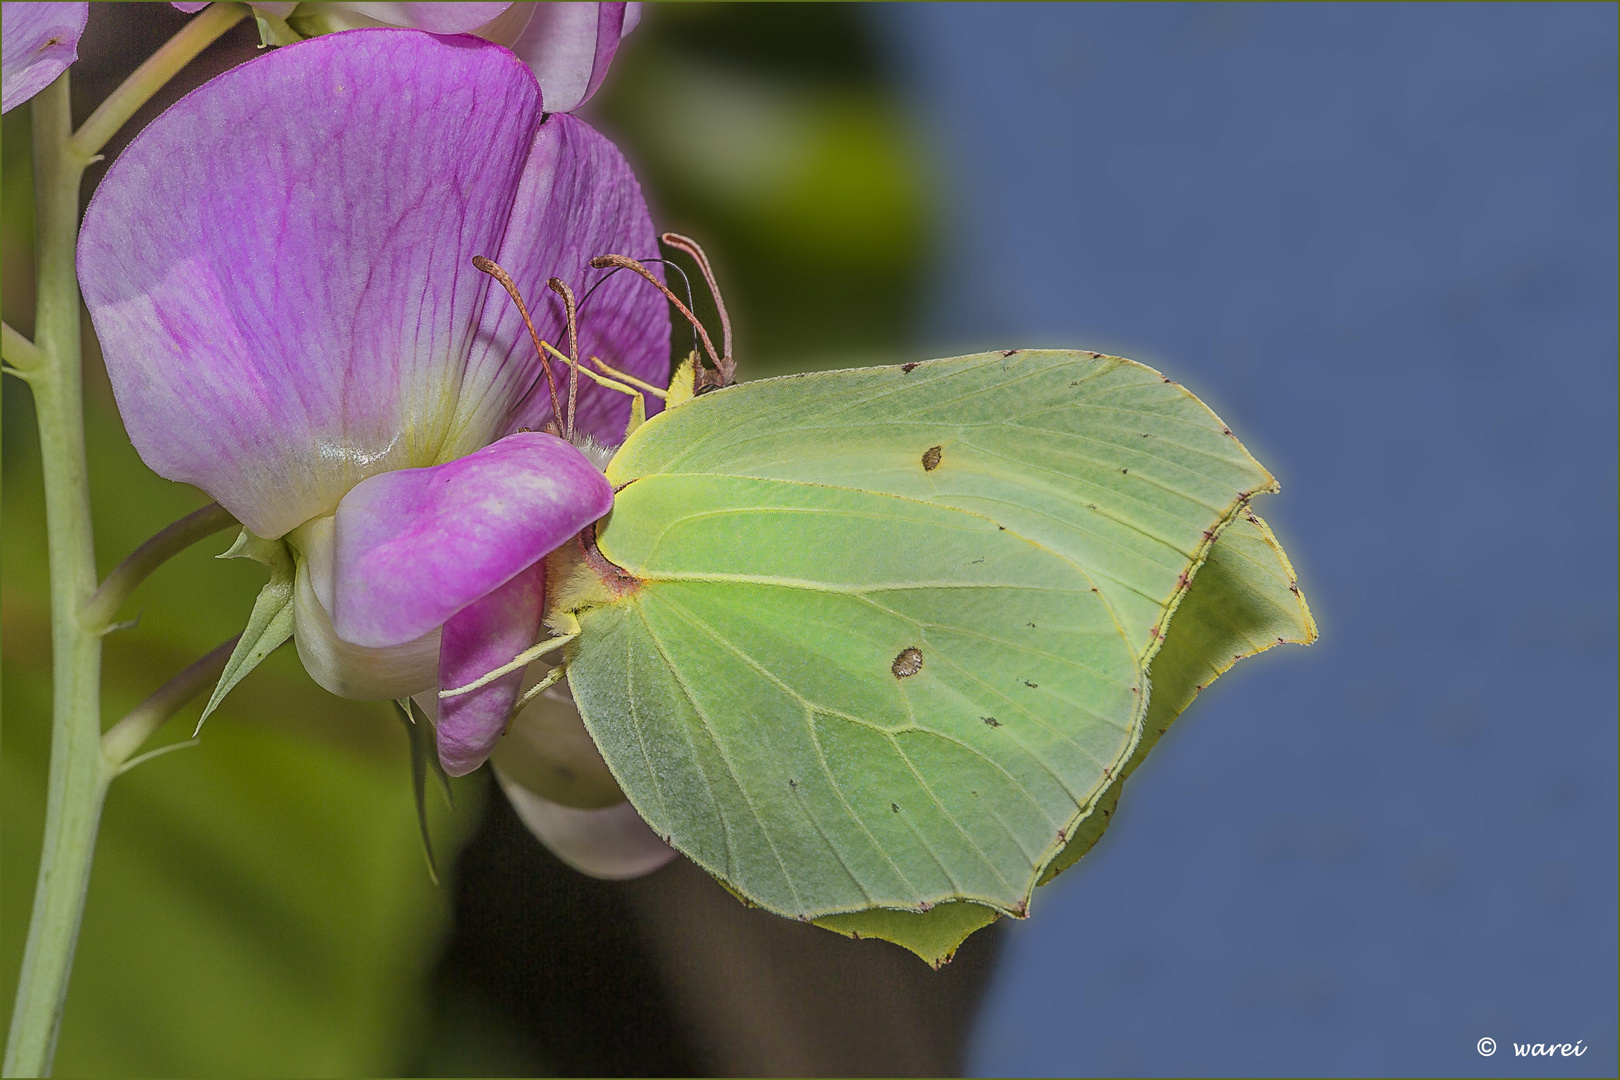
{"points": [[1381, 242]]}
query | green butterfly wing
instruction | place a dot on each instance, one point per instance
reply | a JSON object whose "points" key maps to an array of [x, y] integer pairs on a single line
{"points": [[1245, 600], [880, 638]]}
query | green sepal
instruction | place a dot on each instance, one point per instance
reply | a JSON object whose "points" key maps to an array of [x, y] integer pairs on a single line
{"points": [[270, 624], [424, 758], [934, 935], [274, 31]]}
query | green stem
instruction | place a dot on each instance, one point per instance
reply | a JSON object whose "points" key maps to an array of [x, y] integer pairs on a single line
{"points": [[76, 786], [203, 30], [195, 526]]}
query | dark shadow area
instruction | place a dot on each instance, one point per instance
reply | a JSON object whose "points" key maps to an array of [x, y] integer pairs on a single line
{"points": [[551, 972]]}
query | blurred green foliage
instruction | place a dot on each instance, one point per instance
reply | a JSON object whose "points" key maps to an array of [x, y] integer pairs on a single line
{"points": [[768, 133], [259, 903]]}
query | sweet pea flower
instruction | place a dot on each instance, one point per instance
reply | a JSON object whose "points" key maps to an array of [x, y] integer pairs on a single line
{"points": [[292, 323], [567, 45], [37, 43]]}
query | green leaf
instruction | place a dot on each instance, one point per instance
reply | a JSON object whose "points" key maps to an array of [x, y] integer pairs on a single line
{"points": [[423, 750], [879, 638], [271, 622]]}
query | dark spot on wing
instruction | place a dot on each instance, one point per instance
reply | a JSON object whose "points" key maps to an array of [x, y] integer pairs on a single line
{"points": [[931, 459], [908, 663]]}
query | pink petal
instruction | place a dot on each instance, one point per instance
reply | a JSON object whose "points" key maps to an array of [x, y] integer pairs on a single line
{"points": [[570, 45], [415, 546], [280, 11], [278, 267], [443, 18], [478, 639], [612, 843], [37, 44], [578, 199]]}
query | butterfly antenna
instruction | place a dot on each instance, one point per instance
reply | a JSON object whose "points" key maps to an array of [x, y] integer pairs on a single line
{"points": [[627, 263], [560, 287], [493, 269], [728, 366]]}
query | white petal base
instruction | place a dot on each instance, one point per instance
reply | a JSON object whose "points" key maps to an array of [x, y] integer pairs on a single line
{"points": [[345, 669], [612, 843]]}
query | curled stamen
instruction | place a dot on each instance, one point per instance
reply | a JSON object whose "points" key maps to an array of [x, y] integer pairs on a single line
{"points": [[627, 263], [728, 366], [686, 283], [493, 269], [560, 287]]}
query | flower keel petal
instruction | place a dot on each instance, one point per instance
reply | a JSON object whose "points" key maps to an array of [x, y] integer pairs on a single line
{"points": [[415, 546], [478, 639]]}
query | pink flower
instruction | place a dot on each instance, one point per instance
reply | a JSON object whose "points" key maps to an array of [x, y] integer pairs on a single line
{"points": [[292, 322], [37, 43], [568, 46]]}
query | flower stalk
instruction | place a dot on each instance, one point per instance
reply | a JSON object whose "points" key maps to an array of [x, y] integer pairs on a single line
{"points": [[146, 80], [77, 781]]}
